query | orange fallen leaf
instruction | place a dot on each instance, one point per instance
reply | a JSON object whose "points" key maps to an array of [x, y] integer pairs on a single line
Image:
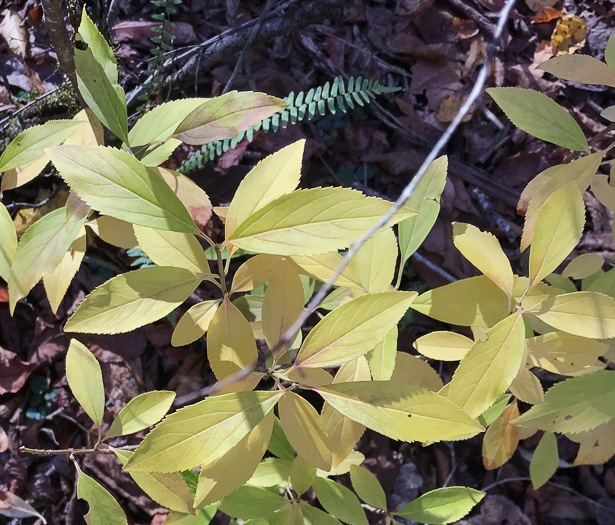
{"points": [[546, 14]]}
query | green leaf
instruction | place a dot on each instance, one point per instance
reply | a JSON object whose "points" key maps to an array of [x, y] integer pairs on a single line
{"points": [[574, 405], [106, 179], [226, 116], [40, 250], [580, 68], [302, 473], [200, 433], [102, 52], [339, 501], [442, 506], [133, 299], [426, 200], [314, 516], [251, 502], [85, 380], [353, 329], [194, 323], [309, 222], [141, 412], [545, 459], [166, 489], [103, 507], [400, 411], [8, 242], [367, 486], [381, 358], [30, 144], [540, 116], [609, 52], [278, 444], [271, 472], [489, 367]]}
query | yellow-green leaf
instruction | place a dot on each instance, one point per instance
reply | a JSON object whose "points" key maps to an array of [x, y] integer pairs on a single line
{"points": [[230, 341], [305, 430], [169, 248], [103, 507], [527, 388], [201, 433], [367, 486], [575, 405], [545, 459], [16, 177], [381, 358], [85, 380], [580, 68], [282, 304], [309, 222], [583, 266], [194, 323], [114, 231], [166, 489], [302, 474], [540, 116], [188, 192], [501, 439], [353, 328], [271, 472], [141, 412], [255, 272], [489, 367], [562, 353], [400, 411], [8, 242], [476, 301], [339, 501], [322, 267], [30, 144], [253, 502], [558, 230], [586, 314], [57, 282], [274, 176], [226, 116], [133, 299], [603, 191], [374, 263], [443, 346], [442, 506], [426, 200], [106, 179], [226, 474], [412, 370], [483, 250]]}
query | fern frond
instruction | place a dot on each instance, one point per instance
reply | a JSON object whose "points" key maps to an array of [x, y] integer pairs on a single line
{"points": [[325, 99]]}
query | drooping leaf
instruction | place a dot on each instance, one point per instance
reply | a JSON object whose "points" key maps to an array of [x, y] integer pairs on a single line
{"points": [[353, 329], [199, 434], [501, 439], [580, 68], [226, 474], [483, 250], [166, 489], [562, 353], [226, 116], [305, 430], [367, 486], [302, 475], [412, 370], [194, 323], [443, 346], [374, 263], [426, 200], [442, 506], [107, 178], [575, 405], [141, 412], [85, 380], [169, 248], [475, 301], [558, 229], [57, 282], [274, 176], [540, 116], [489, 366], [30, 144], [8, 242], [339, 501], [586, 314], [251, 502], [133, 299], [309, 222], [381, 358], [545, 459], [103, 507], [400, 411], [40, 250]]}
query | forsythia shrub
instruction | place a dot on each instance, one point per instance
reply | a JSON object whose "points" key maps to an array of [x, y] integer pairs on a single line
{"points": [[208, 457]]}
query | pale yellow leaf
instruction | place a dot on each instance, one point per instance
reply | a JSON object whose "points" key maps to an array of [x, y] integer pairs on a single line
{"points": [[597, 446], [381, 358], [489, 367], [483, 250], [90, 134], [16, 177], [114, 231], [412, 370], [141, 412], [501, 439], [8, 242], [309, 376], [558, 229], [305, 430], [255, 272], [187, 191], [374, 263], [443, 346], [583, 266], [322, 266], [194, 323]]}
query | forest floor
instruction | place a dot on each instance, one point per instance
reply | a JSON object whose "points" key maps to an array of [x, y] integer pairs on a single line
{"points": [[432, 50]]}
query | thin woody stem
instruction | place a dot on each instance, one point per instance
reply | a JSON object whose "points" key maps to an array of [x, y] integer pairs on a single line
{"points": [[74, 451]]}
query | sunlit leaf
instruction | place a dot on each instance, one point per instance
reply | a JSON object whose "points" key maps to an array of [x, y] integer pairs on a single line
{"points": [[194, 323], [114, 231], [381, 358], [562, 353], [501, 439], [8, 242], [412, 370], [302, 475], [141, 412], [271, 472], [374, 263], [367, 486], [322, 266], [339, 501], [103, 507], [441, 506], [189, 193], [545, 459], [16, 177], [255, 272], [443, 346]]}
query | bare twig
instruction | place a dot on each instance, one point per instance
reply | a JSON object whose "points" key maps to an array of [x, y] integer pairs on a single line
{"points": [[5, 120]]}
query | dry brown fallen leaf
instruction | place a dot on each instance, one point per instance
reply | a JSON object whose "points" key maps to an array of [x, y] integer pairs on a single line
{"points": [[14, 33]]}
